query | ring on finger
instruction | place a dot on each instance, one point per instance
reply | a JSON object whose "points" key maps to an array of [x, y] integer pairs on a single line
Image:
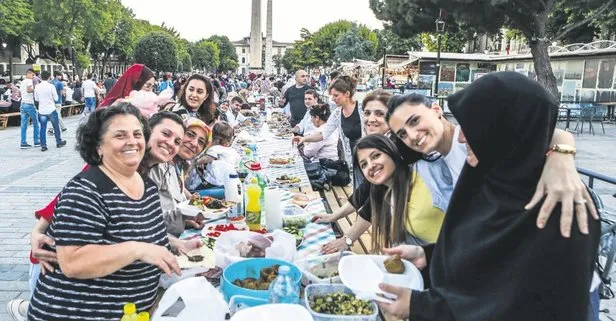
{"points": [[580, 202]]}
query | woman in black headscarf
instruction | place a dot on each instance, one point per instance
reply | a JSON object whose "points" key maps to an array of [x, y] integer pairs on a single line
{"points": [[490, 261]]}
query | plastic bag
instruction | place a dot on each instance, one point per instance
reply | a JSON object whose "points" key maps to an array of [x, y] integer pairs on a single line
{"points": [[282, 246]]}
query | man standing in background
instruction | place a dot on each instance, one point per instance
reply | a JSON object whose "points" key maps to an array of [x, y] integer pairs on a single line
{"points": [[294, 96], [57, 82], [109, 82], [28, 111], [45, 93], [90, 91]]}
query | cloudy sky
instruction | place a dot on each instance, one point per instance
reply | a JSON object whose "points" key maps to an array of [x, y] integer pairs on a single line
{"points": [[196, 19]]}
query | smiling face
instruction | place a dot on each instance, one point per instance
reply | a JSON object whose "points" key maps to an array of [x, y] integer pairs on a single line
{"points": [[149, 85], [309, 100], [339, 98], [165, 140], [236, 106], [224, 107], [193, 143], [471, 158], [374, 118], [418, 126], [377, 167], [196, 93], [123, 144]]}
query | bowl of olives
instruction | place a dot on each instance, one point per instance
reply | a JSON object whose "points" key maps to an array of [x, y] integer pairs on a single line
{"points": [[335, 302]]}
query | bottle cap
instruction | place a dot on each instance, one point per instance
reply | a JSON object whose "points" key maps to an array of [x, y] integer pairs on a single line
{"points": [[130, 308], [256, 166], [284, 269], [143, 316]]}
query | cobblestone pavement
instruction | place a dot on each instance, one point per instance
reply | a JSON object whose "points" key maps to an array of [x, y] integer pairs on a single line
{"points": [[30, 178]]}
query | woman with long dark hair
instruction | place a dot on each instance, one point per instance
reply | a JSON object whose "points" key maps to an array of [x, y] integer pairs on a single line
{"points": [[196, 97]]}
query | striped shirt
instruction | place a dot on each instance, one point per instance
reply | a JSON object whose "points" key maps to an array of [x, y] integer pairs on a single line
{"points": [[93, 210]]}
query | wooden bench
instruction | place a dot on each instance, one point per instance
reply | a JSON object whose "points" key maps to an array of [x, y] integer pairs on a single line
{"points": [[4, 119], [72, 109]]}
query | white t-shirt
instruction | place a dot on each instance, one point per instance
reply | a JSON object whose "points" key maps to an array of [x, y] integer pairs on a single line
{"points": [[225, 159], [456, 158], [233, 120], [69, 94], [89, 88], [26, 97], [306, 125], [46, 94]]}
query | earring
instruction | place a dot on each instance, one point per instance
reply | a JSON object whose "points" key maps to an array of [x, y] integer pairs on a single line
{"points": [[439, 116]]}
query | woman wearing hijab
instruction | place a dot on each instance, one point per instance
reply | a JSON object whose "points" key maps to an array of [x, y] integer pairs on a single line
{"points": [[490, 262], [136, 77]]}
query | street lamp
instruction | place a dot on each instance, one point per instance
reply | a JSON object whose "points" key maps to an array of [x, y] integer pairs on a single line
{"points": [[4, 45], [440, 28], [384, 41]]}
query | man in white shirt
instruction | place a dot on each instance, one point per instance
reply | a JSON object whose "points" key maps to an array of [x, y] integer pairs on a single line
{"points": [[311, 98], [90, 91], [46, 94], [234, 117], [28, 110]]}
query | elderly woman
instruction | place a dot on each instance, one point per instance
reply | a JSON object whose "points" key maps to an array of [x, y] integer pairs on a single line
{"points": [[110, 236]]}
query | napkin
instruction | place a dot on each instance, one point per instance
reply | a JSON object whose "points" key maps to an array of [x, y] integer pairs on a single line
{"points": [[191, 299]]}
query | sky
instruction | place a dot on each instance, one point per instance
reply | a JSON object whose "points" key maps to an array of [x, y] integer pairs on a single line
{"points": [[197, 19]]}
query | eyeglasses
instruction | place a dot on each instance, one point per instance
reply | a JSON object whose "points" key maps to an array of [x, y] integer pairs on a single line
{"points": [[192, 135]]}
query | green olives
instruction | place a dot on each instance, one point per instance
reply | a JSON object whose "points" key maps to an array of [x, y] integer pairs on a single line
{"points": [[340, 303]]}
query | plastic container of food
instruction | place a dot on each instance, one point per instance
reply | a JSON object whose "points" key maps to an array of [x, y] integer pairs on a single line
{"points": [[293, 215], [321, 269], [251, 268], [325, 289]]}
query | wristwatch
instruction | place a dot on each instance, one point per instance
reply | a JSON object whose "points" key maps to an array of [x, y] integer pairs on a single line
{"points": [[561, 148], [348, 241]]}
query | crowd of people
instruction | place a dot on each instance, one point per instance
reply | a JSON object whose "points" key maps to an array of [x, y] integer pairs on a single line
{"points": [[486, 208]]}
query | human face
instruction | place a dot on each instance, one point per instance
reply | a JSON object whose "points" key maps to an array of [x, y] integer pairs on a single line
{"points": [[224, 107], [301, 78], [149, 85], [123, 144], [374, 118], [377, 167], [165, 140], [316, 121], [29, 75], [236, 106], [339, 98], [418, 126], [471, 158], [193, 143], [196, 93], [309, 100]]}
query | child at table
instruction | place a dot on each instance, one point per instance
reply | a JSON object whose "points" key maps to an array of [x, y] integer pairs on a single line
{"points": [[218, 162]]}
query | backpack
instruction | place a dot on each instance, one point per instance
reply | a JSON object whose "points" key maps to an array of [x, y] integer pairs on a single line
{"points": [[77, 95]]}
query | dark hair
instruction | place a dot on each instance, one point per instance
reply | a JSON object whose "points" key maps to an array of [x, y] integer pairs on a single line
{"points": [[333, 75], [222, 133], [89, 76], [313, 93], [411, 99], [387, 229], [45, 75], [109, 74], [162, 115], [146, 74], [344, 84], [378, 94], [90, 134], [237, 99], [245, 106], [322, 111], [57, 73], [30, 70], [203, 112]]}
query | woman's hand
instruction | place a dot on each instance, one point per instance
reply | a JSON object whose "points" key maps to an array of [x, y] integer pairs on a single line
{"points": [[45, 258], [413, 253], [323, 218], [188, 245], [562, 183], [196, 222], [159, 256], [402, 306], [334, 246]]}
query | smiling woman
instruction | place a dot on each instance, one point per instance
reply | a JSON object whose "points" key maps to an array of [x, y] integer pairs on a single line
{"points": [[195, 99]]}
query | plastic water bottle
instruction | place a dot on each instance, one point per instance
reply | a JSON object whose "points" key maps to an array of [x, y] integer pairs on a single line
{"points": [[273, 214], [283, 289], [234, 193]]}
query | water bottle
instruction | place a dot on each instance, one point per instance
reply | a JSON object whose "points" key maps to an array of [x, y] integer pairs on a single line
{"points": [[234, 193], [283, 289], [273, 213]]}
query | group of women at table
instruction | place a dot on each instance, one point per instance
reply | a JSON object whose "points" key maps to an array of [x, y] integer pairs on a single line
{"points": [[467, 203], [108, 240]]}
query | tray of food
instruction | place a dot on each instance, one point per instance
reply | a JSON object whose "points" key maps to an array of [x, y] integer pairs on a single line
{"points": [[287, 181], [281, 161], [210, 207], [283, 133], [215, 230], [302, 199]]}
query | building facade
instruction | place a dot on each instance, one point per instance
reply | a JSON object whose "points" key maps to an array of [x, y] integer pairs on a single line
{"points": [[242, 48]]}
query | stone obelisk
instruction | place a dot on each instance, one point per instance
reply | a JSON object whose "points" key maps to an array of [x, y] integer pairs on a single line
{"points": [[269, 65], [256, 40]]}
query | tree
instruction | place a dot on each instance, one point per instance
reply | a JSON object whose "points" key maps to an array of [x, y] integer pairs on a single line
{"points": [[228, 56], [326, 37], [396, 45], [277, 60], [16, 16], [158, 51], [186, 61], [205, 55], [449, 42], [351, 45], [530, 17]]}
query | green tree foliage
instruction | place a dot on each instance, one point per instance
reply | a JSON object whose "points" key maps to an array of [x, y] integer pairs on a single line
{"points": [[396, 45], [158, 51], [530, 17], [449, 42], [351, 45], [277, 60], [228, 56], [186, 61], [205, 55], [15, 16]]}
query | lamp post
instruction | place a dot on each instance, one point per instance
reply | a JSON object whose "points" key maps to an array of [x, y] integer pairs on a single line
{"points": [[384, 40], [4, 45], [440, 28]]}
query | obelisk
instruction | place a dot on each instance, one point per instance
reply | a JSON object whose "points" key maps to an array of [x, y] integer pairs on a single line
{"points": [[256, 40], [269, 68]]}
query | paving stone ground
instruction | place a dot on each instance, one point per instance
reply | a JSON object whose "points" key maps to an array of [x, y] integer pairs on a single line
{"points": [[30, 178]]}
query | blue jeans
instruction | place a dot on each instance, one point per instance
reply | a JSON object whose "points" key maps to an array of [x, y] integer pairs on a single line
{"points": [[90, 104], [593, 311], [53, 117], [28, 111]]}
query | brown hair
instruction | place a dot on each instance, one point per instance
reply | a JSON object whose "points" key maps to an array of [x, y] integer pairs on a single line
{"points": [[222, 133], [344, 84], [377, 94]]}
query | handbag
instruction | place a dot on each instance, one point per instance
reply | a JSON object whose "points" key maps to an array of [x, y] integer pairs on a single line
{"points": [[336, 171], [316, 175]]}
